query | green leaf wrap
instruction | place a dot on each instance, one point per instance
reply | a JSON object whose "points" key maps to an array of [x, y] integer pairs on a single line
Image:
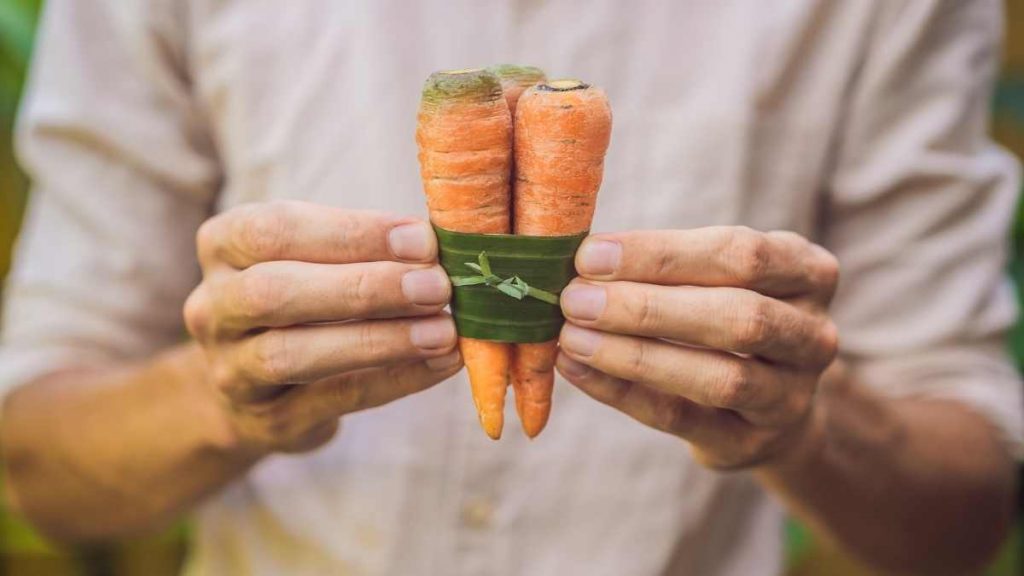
{"points": [[484, 313]]}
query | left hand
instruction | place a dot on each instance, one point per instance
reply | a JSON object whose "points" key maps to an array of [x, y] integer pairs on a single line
{"points": [[716, 335]]}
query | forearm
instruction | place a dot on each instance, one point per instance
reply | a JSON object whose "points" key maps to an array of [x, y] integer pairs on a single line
{"points": [[101, 453], [908, 485]]}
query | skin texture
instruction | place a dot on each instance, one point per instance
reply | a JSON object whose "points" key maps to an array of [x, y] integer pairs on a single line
{"points": [[305, 313], [464, 134], [909, 486], [912, 485], [720, 336], [561, 137]]}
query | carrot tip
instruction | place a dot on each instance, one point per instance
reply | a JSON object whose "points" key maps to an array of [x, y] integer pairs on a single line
{"points": [[533, 419], [533, 430], [492, 427]]}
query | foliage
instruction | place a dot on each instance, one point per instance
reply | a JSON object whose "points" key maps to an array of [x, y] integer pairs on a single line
{"points": [[17, 24]]}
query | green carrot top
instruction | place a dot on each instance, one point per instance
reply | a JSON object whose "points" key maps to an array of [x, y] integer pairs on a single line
{"points": [[469, 85]]}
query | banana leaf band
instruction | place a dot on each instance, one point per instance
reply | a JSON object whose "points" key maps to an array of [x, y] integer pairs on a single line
{"points": [[505, 287]]}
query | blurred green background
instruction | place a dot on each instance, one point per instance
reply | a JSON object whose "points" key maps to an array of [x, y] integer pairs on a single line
{"points": [[23, 553]]}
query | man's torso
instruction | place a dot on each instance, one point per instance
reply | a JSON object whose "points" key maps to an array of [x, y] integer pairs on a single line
{"points": [[724, 113]]}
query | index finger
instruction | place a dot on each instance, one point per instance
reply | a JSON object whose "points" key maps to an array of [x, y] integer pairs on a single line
{"points": [[778, 264], [302, 231]]}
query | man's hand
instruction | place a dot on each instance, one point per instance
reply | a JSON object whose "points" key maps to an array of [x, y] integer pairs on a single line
{"points": [[307, 313], [717, 335]]}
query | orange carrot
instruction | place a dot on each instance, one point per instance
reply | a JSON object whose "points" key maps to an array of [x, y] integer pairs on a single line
{"points": [[562, 130], [464, 133], [515, 80]]}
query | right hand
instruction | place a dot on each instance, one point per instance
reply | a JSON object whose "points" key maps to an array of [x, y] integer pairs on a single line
{"points": [[307, 313]]}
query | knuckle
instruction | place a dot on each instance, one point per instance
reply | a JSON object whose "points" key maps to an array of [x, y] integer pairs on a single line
{"points": [[356, 227], [374, 290], [749, 253], [828, 272], [224, 377], [791, 241], [735, 388], [368, 341], [196, 313], [206, 235], [276, 421], [756, 325], [266, 232], [637, 361], [348, 397], [828, 340], [259, 294], [664, 262], [362, 288], [668, 416], [646, 311], [271, 360]]}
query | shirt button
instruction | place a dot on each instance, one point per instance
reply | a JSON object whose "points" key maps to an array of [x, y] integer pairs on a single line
{"points": [[478, 514]]}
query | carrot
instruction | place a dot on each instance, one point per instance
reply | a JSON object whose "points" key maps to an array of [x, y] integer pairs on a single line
{"points": [[515, 80], [464, 134], [562, 130]]}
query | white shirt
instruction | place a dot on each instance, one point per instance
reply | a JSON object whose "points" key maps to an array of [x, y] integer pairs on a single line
{"points": [[859, 124]]}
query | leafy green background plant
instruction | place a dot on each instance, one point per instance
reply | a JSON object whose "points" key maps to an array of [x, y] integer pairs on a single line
{"points": [[22, 552], [17, 23]]}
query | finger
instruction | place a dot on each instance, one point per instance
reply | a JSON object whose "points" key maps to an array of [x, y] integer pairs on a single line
{"points": [[731, 319], [288, 293], [290, 230], [307, 353], [307, 416], [720, 439], [779, 264], [312, 439], [364, 389], [655, 408], [707, 377]]}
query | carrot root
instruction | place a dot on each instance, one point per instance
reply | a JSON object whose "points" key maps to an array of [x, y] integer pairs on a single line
{"points": [[464, 134], [488, 364], [533, 380], [562, 130]]}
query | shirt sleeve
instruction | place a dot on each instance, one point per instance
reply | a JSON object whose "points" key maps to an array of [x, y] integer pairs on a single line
{"points": [[920, 207], [123, 174]]}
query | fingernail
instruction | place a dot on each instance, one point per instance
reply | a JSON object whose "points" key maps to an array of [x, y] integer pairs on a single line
{"points": [[426, 287], [433, 334], [571, 368], [413, 241], [599, 257], [580, 340], [583, 301], [446, 362]]}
